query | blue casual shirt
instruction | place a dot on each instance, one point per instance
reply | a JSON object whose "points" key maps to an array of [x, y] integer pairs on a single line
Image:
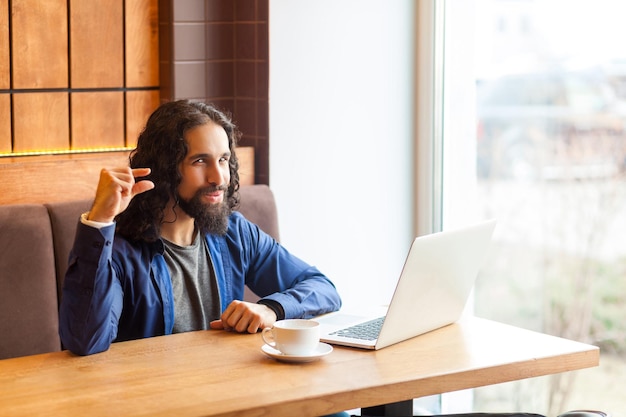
{"points": [[116, 290]]}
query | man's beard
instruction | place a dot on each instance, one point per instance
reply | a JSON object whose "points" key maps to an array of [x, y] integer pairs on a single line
{"points": [[209, 218]]}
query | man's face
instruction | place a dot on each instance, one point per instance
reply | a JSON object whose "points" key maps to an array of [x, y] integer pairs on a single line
{"points": [[205, 177]]}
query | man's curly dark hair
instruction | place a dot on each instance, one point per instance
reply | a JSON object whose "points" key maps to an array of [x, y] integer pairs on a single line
{"points": [[161, 147]]}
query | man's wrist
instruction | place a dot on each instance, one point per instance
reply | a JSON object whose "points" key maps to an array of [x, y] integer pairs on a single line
{"points": [[274, 306], [84, 219]]}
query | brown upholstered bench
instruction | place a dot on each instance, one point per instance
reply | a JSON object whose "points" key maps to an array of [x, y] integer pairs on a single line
{"points": [[35, 241], [28, 292]]}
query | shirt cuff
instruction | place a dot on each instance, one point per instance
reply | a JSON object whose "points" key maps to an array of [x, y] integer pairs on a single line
{"points": [[97, 225], [275, 306]]}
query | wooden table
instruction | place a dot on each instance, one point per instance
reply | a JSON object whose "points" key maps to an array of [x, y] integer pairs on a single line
{"points": [[215, 373]]}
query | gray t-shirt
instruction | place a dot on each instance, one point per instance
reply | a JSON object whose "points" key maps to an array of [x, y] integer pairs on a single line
{"points": [[196, 295]]}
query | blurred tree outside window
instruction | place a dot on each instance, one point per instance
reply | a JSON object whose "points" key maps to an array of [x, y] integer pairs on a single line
{"points": [[535, 136]]}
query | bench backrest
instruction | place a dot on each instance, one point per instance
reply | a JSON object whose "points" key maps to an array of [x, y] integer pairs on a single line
{"points": [[28, 295]]}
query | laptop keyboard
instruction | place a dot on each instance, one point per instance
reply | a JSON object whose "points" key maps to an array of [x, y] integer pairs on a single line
{"points": [[368, 330]]}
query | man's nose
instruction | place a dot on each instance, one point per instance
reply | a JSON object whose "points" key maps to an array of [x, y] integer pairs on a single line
{"points": [[214, 175]]}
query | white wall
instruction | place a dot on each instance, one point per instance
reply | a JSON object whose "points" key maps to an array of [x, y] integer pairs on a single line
{"points": [[341, 134]]}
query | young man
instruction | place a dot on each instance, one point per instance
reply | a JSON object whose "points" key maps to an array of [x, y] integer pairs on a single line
{"points": [[161, 251]]}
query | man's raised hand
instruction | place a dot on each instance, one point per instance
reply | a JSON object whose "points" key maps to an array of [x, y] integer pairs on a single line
{"points": [[116, 188]]}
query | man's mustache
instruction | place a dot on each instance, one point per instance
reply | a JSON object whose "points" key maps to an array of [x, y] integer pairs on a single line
{"points": [[212, 189]]}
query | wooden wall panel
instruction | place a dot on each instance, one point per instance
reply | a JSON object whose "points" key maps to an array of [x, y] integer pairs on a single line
{"points": [[5, 123], [142, 43], [246, 165], [47, 179], [5, 80], [96, 43], [40, 121], [39, 38], [139, 106], [97, 120]]}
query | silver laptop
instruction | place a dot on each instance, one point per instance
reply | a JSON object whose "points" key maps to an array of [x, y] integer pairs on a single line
{"points": [[433, 289]]}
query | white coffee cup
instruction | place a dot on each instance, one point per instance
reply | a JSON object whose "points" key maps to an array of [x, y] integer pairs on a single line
{"points": [[296, 337]]}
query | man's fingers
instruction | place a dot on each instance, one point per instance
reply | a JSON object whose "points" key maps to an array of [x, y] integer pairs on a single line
{"points": [[141, 172], [242, 324], [116, 187], [142, 186], [232, 314], [131, 183], [216, 325], [245, 317], [239, 316], [254, 325]]}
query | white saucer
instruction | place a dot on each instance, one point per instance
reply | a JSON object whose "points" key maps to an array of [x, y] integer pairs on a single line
{"points": [[322, 349]]}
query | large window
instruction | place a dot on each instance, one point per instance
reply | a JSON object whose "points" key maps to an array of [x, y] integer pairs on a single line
{"points": [[534, 135]]}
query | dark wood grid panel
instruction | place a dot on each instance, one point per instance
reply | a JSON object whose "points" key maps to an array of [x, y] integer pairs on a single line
{"points": [[76, 74]]}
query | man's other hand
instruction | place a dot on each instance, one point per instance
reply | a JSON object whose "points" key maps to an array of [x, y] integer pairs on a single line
{"points": [[242, 316]]}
